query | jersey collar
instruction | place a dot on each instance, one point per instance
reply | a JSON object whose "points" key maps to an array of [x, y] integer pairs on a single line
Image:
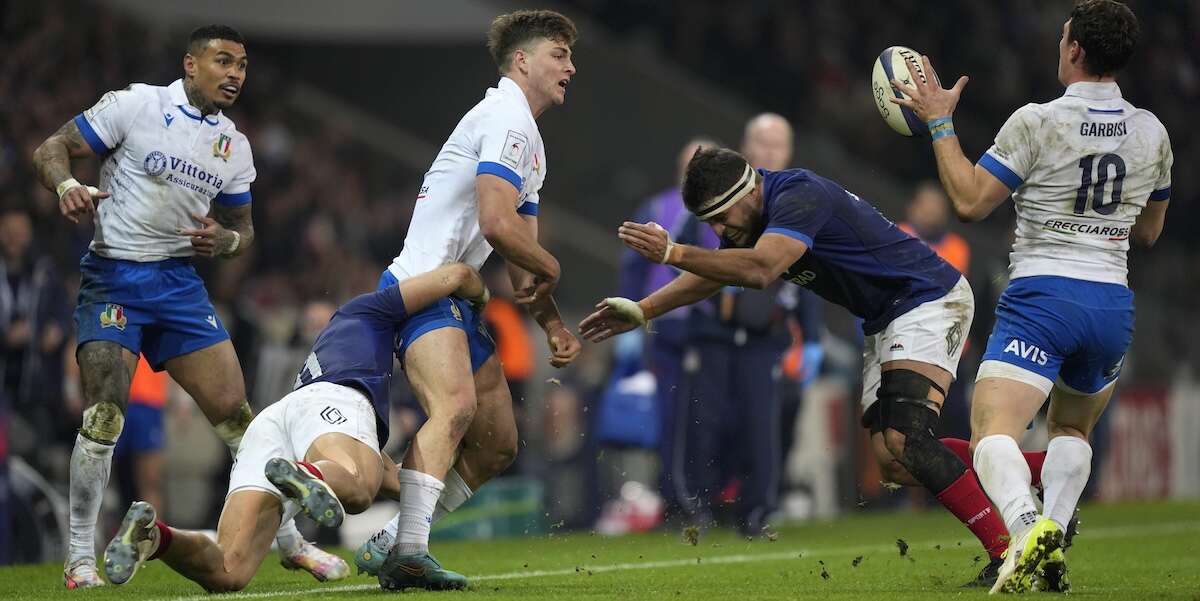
{"points": [[1094, 90], [179, 99], [508, 87]]}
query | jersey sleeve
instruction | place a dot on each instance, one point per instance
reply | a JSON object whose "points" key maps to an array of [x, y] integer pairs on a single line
{"points": [[530, 205], [1162, 186], [800, 211], [1011, 157], [236, 192], [105, 125], [384, 306], [503, 144]]}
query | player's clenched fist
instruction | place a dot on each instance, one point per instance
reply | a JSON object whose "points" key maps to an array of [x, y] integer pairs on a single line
{"points": [[79, 200]]}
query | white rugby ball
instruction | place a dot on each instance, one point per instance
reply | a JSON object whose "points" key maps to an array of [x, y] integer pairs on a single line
{"points": [[893, 64]]}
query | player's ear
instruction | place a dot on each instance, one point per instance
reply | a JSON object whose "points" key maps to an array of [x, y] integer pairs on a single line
{"points": [[189, 64]]}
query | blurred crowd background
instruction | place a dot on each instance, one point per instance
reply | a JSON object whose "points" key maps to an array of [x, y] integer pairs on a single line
{"points": [[343, 127]]}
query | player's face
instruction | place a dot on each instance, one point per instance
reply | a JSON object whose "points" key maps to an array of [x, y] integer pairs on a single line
{"points": [[550, 69], [219, 72], [741, 224]]}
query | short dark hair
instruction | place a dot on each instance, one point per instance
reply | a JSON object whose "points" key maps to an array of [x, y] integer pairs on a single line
{"points": [[201, 36], [710, 172], [513, 30], [1107, 31]]}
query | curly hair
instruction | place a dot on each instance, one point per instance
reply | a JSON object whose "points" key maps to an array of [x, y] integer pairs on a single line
{"points": [[1107, 31], [710, 172], [516, 29]]}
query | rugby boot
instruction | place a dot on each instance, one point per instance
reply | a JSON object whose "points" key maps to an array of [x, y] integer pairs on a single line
{"points": [[131, 546], [323, 566], [1025, 555], [371, 554], [82, 574], [987, 576], [417, 570], [1053, 576], [313, 494]]}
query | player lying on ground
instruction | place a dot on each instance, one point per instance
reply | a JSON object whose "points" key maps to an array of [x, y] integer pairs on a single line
{"points": [[797, 225], [170, 156], [1088, 172], [316, 450]]}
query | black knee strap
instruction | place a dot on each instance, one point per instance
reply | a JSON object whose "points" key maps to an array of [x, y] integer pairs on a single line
{"points": [[906, 408]]}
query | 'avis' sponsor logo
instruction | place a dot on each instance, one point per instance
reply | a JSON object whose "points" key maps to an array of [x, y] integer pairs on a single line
{"points": [[1026, 351]]}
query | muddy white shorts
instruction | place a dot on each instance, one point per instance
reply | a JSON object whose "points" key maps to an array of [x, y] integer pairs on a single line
{"points": [[288, 427], [932, 332]]}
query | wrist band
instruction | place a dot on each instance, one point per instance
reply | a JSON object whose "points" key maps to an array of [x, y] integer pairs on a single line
{"points": [[940, 128], [667, 253], [237, 241], [67, 184]]}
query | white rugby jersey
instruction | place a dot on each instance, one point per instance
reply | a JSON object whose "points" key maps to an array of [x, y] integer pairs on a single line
{"points": [[162, 164], [498, 136], [1081, 168]]}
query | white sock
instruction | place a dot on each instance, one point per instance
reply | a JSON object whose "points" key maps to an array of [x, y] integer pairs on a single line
{"points": [[1064, 474], [1005, 477], [455, 494], [90, 463], [419, 494], [289, 538]]}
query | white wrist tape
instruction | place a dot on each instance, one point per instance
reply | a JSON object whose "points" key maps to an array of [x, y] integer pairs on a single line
{"points": [[237, 241], [71, 182], [628, 310], [670, 244]]}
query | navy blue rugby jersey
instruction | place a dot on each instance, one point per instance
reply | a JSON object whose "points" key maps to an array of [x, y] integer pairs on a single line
{"points": [[356, 348], [856, 257]]}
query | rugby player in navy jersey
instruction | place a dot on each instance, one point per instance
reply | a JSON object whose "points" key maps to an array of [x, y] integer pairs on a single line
{"points": [[316, 450], [796, 225]]}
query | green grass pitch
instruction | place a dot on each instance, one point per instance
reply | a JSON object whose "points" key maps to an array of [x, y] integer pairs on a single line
{"points": [[1129, 551]]}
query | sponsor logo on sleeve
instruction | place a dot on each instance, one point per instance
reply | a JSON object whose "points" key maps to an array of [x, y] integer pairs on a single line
{"points": [[514, 148]]}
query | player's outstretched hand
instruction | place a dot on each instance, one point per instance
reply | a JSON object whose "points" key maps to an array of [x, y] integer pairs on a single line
{"points": [[210, 240], [79, 201], [927, 98], [612, 316], [564, 346], [648, 239]]}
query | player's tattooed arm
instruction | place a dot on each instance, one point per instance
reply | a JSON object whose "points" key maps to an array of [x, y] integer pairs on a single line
{"points": [[52, 159], [234, 219]]}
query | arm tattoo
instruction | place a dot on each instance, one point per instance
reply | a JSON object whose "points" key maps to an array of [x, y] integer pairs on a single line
{"points": [[233, 219], [53, 158]]}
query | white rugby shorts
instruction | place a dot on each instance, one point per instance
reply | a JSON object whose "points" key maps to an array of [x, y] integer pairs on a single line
{"points": [[288, 427], [933, 332]]}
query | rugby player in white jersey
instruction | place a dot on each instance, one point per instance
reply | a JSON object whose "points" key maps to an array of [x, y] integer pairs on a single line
{"points": [[1088, 172], [316, 450], [170, 157], [480, 194]]}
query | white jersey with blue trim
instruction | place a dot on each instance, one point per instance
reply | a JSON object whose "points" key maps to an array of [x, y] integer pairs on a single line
{"points": [[1081, 168], [163, 162], [499, 136]]}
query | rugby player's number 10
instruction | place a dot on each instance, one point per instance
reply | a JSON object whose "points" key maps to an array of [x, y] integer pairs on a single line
{"points": [[1098, 204]]}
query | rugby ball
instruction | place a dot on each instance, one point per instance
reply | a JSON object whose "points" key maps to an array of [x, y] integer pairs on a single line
{"points": [[893, 64]]}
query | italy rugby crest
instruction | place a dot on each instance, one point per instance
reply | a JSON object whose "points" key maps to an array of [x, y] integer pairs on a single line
{"points": [[223, 147], [113, 316]]}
